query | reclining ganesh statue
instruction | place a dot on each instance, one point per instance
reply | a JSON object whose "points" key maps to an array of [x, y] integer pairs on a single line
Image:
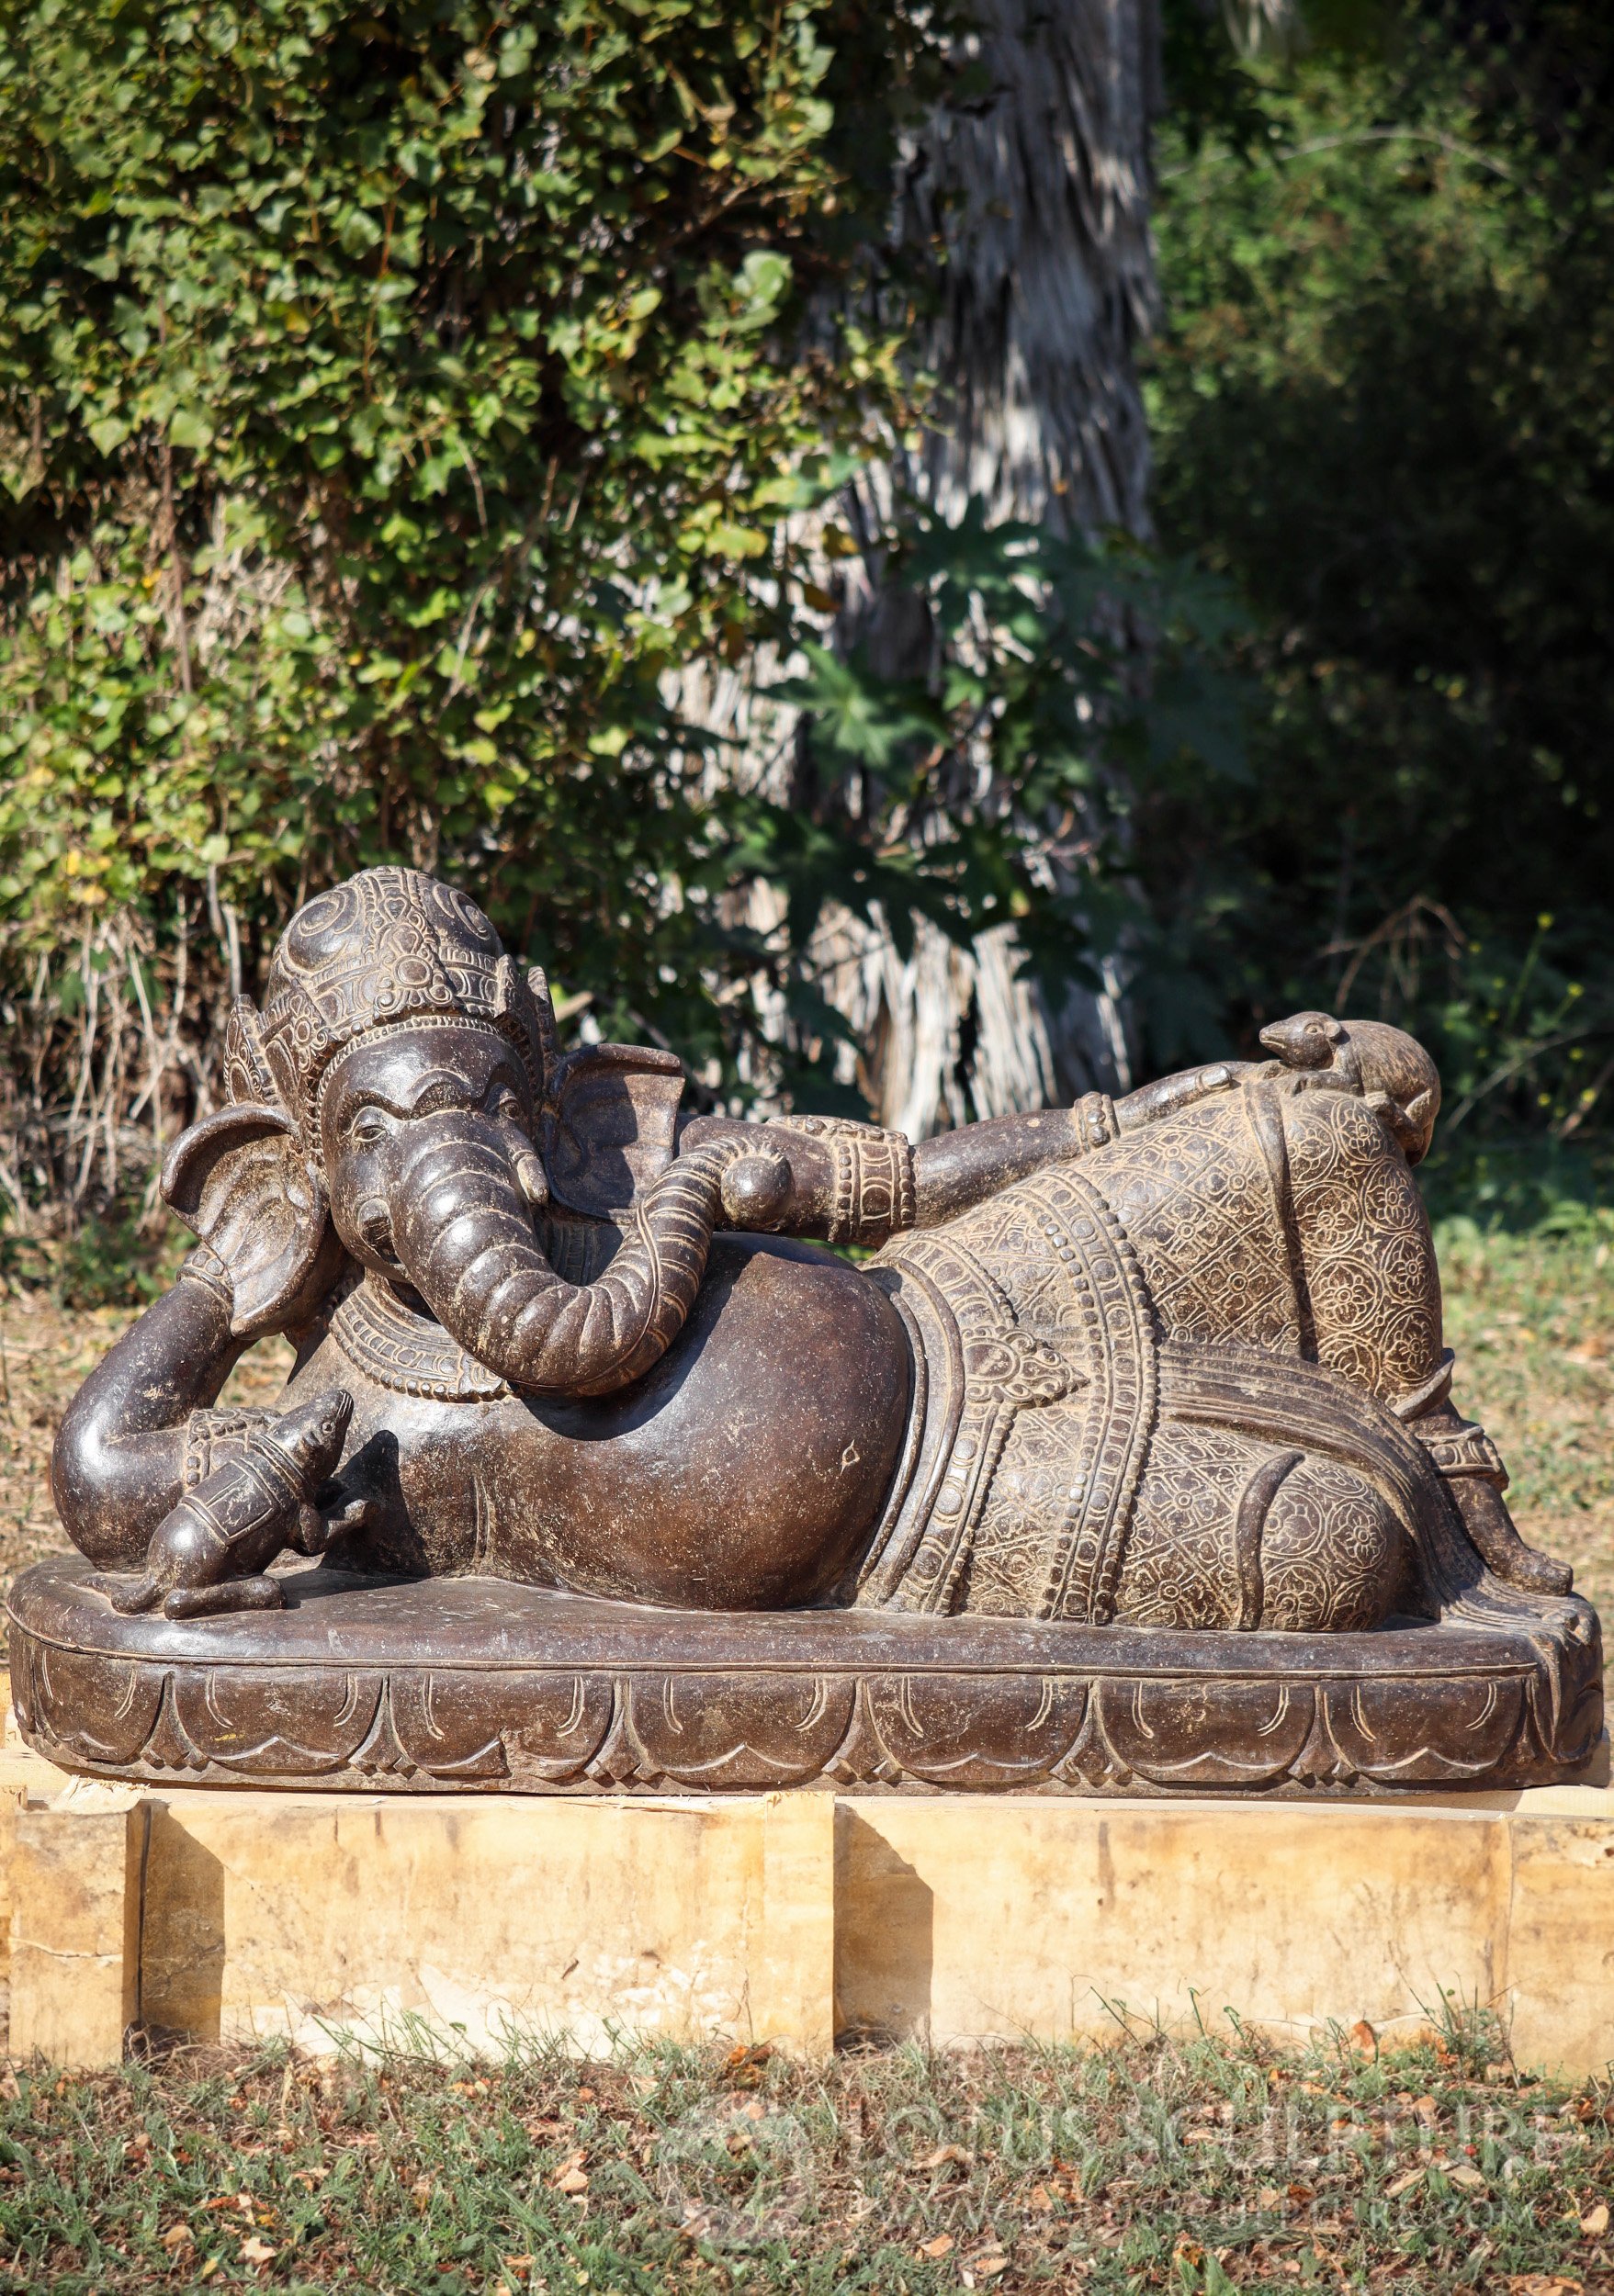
{"points": [[1122, 1456]]}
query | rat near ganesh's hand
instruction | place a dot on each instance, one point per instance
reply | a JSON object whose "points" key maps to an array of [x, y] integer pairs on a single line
{"points": [[209, 1553]]}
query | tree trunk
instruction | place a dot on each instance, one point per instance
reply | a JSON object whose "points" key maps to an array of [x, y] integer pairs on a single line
{"points": [[1027, 199]]}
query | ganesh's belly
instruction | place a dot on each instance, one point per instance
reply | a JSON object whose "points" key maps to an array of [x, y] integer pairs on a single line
{"points": [[747, 1470]]}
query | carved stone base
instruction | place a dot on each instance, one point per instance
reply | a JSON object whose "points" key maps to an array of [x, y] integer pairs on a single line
{"points": [[455, 1685]]}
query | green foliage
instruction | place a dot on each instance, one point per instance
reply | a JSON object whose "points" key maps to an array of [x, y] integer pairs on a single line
{"points": [[388, 399], [1382, 411]]}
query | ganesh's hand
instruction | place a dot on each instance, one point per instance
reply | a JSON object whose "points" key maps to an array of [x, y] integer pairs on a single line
{"points": [[1167, 1095], [242, 1185], [294, 1314], [252, 1316], [782, 1183], [758, 1190]]}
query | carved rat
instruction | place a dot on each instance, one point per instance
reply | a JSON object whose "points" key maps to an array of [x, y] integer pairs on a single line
{"points": [[1389, 1070], [209, 1553]]}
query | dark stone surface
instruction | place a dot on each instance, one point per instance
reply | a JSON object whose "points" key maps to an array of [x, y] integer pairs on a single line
{"points": [[1129, 1461], [426, 1685]]}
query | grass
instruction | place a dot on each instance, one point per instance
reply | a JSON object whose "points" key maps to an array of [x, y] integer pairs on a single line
{"points": [[1147, 2164], [1531, 1321]]}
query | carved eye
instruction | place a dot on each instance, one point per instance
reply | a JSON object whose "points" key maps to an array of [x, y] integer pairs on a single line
{"points": [[507, 1107], [369, 1127]]}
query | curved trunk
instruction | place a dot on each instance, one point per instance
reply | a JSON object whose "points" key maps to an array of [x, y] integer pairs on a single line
{"points": [[463, 1231]]}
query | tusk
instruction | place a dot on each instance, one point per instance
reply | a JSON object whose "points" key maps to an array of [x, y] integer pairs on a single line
{"points": [[530, 1179]]}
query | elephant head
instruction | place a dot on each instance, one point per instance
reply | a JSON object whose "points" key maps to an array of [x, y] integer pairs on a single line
{"points": [[401, 1103]]}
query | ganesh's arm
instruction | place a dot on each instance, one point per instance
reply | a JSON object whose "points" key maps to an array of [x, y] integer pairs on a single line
{"points": [[1152, 1103], [856, 1184], [118, 1462], [962, 1168], [959, 1168]]}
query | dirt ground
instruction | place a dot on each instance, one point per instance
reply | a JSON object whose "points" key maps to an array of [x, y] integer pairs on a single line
{"points": [[1532, 1324]]}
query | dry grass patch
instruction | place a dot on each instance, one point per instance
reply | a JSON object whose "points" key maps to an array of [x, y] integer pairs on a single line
{"points": [[1146, 2166]]}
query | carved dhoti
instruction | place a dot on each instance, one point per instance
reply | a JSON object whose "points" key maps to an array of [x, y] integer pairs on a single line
{"points": [[1123, 1366]]}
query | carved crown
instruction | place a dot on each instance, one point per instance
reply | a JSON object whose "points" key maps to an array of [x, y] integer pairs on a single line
{"points": [[389, 945]]}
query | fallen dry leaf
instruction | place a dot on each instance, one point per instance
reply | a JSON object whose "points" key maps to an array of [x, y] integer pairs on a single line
{"points": [[1468, 2179], [572, 2180], [1404, 2184], [256, 2251], [1363, 2039], [1594, 2222], [1042, 2200], [942, 2153], [177, 2237], [1269, 2197], [988, 2268], [938, 2248], [1542, 2284]]}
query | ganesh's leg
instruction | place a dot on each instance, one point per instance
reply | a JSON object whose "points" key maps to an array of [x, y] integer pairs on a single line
{"points": [[1490, 1524], [119, 1463], [1476, 1478], [1374, 1299]]}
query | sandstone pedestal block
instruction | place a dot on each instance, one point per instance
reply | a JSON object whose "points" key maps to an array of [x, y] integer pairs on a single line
{"points": [[491, 1922], [75, 1879], [1014, 1918], [796, 1917]]}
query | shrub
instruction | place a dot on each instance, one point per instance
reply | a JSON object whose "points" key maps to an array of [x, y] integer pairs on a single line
{"points": [[389, 399]]}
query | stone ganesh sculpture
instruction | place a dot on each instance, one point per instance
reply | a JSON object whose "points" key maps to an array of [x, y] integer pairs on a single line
{"points": [[1128, 1457]]}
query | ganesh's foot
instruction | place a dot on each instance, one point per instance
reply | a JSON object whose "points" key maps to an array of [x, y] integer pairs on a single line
{"points": [[210, 1602], [1493, 1530], [126, 1593], [1527, 1567]]}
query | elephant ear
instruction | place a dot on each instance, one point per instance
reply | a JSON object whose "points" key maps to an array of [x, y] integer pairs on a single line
{"points": [[610, 1125], [239, 1181]]}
